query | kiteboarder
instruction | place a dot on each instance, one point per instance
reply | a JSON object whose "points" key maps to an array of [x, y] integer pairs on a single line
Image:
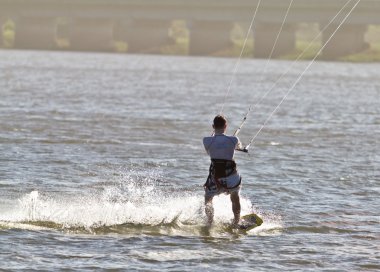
{"points": [[223, 176]]}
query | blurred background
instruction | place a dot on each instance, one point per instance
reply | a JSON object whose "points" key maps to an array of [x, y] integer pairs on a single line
{"points": [[197, 27]]}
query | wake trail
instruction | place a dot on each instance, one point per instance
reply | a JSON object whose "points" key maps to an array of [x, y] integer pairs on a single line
{"points": [[137, 203]]}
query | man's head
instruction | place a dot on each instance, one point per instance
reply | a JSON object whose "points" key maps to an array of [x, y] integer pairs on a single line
{"points": [[220, 123]]}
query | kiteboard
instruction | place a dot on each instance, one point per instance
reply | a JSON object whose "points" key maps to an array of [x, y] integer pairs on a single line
{"points": [[248, 222]]}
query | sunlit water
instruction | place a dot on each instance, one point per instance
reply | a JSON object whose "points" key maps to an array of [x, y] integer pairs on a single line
{"points": [[102, 166]]}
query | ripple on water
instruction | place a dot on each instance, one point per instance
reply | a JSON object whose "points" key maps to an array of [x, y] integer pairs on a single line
{"points": [[86, 131]]}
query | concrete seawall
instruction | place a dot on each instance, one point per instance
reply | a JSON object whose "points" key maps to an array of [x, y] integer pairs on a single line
{"points": [[146, 26]]}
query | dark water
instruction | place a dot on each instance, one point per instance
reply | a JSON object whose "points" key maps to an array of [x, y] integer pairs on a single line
{"points": [[102, 166]]}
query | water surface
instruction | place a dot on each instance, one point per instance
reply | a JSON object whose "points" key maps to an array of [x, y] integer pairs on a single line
{"points": [[102, 166]]}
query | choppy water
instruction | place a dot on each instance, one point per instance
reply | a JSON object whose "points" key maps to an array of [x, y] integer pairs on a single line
{"points": [[101, 164]]}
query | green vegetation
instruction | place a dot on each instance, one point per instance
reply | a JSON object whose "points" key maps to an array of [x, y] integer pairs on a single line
{"points": [[8, 33], [305, 50], [61, 38], [120, 46], [308, 42], [372, 53], [238, 35], [179, 34], [237, 39], [62, 43]]}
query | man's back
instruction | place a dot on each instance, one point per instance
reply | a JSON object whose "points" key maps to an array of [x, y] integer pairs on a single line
{"points": [[223, 176], [221, 146]]}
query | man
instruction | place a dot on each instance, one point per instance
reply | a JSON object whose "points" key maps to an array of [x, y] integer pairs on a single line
{"points": [[223, 176]]}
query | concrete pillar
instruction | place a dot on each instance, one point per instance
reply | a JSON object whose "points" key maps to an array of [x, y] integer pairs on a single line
{"points": [[265, 37], [147, 36], [209, 37], [349, 39], [35, 33], [87, 34]]}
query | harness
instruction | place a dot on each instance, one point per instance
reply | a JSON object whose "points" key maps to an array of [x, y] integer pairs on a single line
{"points": [[220, 169]]}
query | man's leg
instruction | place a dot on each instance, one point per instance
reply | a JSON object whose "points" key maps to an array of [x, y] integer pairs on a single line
{"points": [[235, 199], [209, 209]]}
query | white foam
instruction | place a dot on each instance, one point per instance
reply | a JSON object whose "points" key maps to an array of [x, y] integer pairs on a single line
{"points": [[134, 199], [14, 225], [272, 225]]}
